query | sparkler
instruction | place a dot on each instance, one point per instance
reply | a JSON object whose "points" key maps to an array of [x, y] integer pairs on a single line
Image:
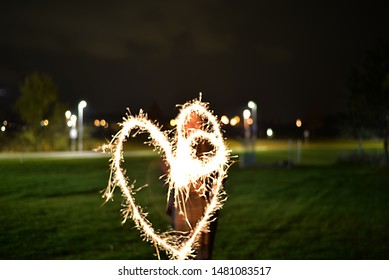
{"points": [[186, 170]]}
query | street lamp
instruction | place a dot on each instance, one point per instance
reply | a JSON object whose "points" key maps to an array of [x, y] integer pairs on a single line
{"points": [[71, 121], [68, 114], [81, 107], [73, 131], [299, 123], [247, 136], [249, 154], [253, 106]]}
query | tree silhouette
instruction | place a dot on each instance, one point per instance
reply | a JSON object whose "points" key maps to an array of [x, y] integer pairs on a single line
{"points": [[39, 100], [368, 95]]}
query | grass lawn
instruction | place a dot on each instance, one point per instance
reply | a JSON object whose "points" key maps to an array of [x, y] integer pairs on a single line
{"points": [[51, 209]]}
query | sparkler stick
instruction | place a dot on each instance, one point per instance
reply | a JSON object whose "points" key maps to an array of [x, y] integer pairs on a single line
{"points": [[186, 170]]}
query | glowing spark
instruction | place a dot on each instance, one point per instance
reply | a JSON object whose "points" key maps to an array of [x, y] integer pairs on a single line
{"points": [[186, 170]]}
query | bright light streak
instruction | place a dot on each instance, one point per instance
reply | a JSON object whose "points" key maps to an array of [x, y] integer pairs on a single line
{"points": [[81, 107], [186, 170]]}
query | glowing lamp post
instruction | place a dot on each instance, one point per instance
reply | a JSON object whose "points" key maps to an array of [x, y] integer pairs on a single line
{"points": [[253, 106], [81, 107], [71, 121], [73, 131], [247, 134], [68, 114], [249, 154]]}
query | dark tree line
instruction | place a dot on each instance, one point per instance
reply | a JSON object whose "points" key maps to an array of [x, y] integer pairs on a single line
{"points": [[368, 96]]}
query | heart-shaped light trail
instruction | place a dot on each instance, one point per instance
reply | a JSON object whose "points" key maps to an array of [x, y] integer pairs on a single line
{"points": [[186, 169]]}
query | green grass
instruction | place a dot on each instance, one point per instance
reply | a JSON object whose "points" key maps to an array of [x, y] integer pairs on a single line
{"points": [[51, 209], [330, 212]]}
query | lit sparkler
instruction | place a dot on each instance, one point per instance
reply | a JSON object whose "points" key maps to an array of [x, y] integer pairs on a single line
{"points": [[186, 169]]}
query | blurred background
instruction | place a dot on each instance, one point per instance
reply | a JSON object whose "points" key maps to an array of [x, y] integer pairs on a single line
{"points": [[325, 64], [301, 91]]}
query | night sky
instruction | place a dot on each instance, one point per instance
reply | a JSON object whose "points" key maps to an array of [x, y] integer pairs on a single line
{"points": [[291, 57]]}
